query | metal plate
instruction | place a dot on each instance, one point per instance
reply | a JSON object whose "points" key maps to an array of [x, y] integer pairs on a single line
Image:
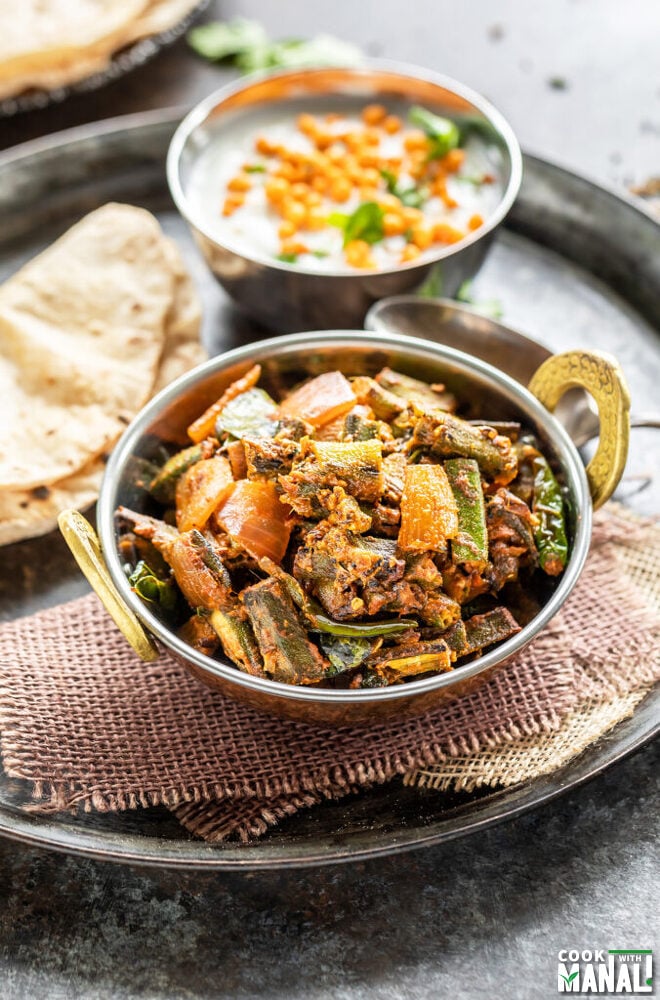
{"points": [[576, 266], [122, 62]]}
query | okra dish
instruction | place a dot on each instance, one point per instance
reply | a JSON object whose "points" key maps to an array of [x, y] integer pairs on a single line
{"points": [[356, 533]]}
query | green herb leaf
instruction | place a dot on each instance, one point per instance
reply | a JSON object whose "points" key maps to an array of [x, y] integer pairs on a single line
{"points": [[432, 287], [292, 258], [365, 223], [248, 415], [339, 219], [150, 588], [464, 293], [248, 45], [254, 168], [298, 53], [477, 125], [470, 179], [227, 39], [442, 132], [390, 180], [411, 197], [490, 307]]}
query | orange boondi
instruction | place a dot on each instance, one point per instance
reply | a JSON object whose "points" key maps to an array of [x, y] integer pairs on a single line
{"points": [[345, 161]]}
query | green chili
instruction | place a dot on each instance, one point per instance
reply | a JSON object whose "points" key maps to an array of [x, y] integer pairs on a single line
{"points": [[366, 629], [548, 505]]}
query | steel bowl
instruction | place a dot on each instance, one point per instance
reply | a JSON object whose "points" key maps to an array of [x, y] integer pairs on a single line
{"points": [[285, 361], [288, 297]]}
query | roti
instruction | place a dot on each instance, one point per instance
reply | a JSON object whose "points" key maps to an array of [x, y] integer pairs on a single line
{"points": [[39, 37], [82, 330], [28, 513], [52, 43]]}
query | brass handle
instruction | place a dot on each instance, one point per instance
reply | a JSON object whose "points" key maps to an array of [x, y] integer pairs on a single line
{"points": [[84, 544], [601, 376]]}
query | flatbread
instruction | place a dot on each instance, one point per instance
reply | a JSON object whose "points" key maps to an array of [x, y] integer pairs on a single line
{"points": [[29, 513], [38, 36], [82, 330], [53, 43]]}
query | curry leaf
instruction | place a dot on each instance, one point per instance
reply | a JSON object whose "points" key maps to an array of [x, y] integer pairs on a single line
{"points": [[150, 588]]}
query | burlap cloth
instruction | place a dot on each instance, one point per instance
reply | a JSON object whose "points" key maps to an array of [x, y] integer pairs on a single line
{"points": [[90, 727]]}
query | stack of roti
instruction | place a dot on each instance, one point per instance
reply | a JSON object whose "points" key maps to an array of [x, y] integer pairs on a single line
{"points": [[89, 331], [53, 43]]}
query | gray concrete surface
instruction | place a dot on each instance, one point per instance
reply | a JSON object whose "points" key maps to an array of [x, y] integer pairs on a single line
{"points": [[485, 917]]}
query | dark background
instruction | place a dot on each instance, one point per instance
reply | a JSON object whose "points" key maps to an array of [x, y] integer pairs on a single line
{"points": [[580, 82]]}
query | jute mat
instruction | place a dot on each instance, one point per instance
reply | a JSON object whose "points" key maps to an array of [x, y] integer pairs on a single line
{"points": [[92, 728]]}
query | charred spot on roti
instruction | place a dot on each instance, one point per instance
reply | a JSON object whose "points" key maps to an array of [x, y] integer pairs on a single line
{"points": [[40, 492]]}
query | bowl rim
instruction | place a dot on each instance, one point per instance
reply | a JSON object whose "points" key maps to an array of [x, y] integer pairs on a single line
{"points": [[291, 344], [201, 111]]}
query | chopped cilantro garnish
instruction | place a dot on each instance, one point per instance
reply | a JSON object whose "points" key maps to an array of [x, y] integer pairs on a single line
{"points": [[411, 197], [442, 132], [365, 223], [471, 179]]}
